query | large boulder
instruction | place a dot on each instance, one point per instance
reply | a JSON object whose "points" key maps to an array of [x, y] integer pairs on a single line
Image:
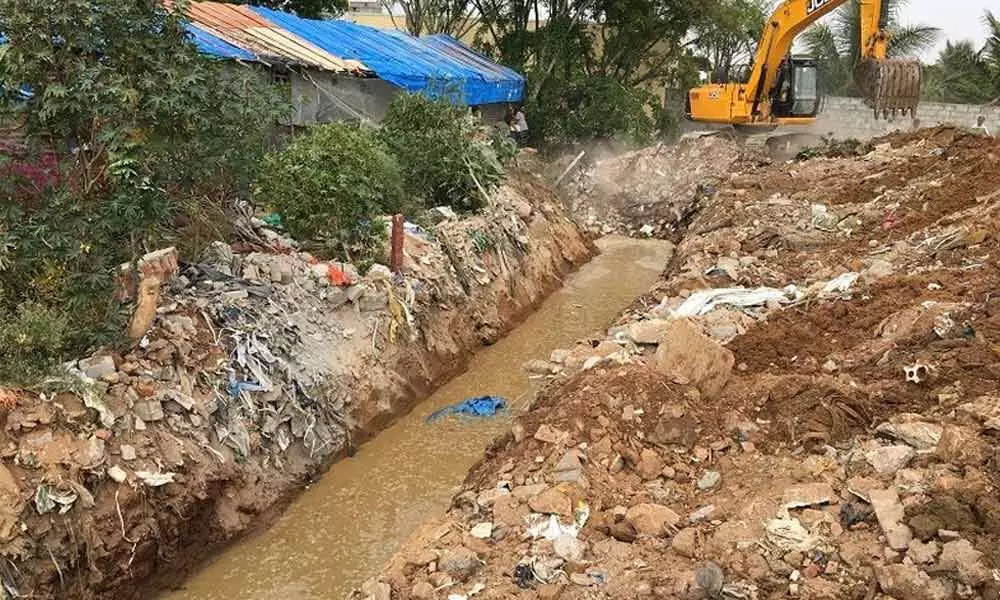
{"points": [[688, 356]]}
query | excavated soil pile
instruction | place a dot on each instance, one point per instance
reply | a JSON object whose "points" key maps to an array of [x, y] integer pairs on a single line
{"points": [[806, 406], [263, 367]]}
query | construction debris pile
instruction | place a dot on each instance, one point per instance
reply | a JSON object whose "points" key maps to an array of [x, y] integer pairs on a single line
{"points": [[806, 406], [653, 191], [262, 366]]}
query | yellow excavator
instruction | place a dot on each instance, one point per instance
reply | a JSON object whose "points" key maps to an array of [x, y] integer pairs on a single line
{"points": [[782, 89]]}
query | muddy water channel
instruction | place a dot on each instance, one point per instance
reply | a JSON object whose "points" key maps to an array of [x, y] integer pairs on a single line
{"points": [[341, 530]]}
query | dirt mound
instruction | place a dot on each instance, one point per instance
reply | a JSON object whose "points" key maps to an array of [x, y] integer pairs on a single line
{"points": [[852, 453]]}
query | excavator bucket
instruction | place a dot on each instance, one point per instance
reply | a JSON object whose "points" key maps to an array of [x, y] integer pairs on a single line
{"points": [[890, 86]]}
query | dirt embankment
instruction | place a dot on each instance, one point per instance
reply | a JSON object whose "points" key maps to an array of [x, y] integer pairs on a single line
{"points": [[806, 406], [263, 367]]}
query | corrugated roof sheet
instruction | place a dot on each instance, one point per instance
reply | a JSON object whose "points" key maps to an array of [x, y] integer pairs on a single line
{"points": [[437, 66], [241, 27]]}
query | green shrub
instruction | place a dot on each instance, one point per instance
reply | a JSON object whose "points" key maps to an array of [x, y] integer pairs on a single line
{"points": [[447, 157], [31, 342], [331, 184]]}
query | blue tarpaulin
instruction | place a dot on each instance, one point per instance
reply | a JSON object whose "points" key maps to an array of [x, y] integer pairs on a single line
{"points": [[438, 66], [482, 406]]}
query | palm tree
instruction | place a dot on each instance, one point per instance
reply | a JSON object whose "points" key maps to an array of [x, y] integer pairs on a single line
{"points": [[837, 43], [961, 74], [991, 52]]}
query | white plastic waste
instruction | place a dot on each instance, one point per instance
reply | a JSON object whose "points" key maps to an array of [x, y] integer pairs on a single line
{"points": [[705, 301]]}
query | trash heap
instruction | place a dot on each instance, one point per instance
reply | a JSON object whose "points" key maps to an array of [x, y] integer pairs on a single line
{"points": [[257, 367], [805, 406], [653, 191]]}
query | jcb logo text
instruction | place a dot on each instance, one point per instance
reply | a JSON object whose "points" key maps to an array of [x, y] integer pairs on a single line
{"points": [[815, 4]]}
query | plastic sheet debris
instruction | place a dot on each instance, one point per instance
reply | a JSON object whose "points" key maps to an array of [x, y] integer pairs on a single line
{"points": [[841, 284], [481, 406], [551, 528], [705, 301], [788, 533], [234, 387], [155, 479]]}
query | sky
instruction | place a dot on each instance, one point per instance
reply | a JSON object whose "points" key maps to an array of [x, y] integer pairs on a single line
{"points": [[958, 19]]}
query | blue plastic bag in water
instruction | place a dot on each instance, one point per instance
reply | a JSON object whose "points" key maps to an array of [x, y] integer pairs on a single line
{"points": [[482, 406]]}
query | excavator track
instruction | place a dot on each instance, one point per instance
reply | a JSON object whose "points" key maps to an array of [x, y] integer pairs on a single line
{"points": [[890, 87]]}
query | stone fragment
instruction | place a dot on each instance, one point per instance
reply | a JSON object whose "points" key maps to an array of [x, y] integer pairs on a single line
{"points": [[961, 557], [148, 410], [97, 367], [907, 582], [688, 356], [550, 435], [460, 563], [422, 591], [961, 446], [709, 480], [552, 502], [685, 542], [886, 460], [568, 548], [482, 531], [922, 553], [650, 465], [919, 434], [889, 511], [808, 494], [377, 590], [569, 467], [651, 519], [648, 332], [117, 474]]}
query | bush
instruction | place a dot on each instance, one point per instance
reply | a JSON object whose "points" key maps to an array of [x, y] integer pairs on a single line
{"points": [[114, 159], [31, 340], [331, 184], [447, 157]]}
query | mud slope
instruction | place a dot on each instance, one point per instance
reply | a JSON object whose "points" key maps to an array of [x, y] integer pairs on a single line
{"points": [[262, 369], [831, 435]]}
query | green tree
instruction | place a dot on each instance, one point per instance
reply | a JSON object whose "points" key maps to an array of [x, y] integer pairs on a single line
{"points": [[310, 9], [991, 52], [133, 132], [728, 36], [960, 75], [837, 42]]}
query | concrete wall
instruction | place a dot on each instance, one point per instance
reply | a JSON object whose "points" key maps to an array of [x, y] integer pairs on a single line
{"points": [[849, 118]]}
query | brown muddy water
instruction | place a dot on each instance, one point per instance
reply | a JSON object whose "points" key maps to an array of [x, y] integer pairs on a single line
{"points": [[346, 526]]}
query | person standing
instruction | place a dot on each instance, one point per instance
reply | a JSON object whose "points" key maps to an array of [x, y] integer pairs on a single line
{"points": [[520, 127]]}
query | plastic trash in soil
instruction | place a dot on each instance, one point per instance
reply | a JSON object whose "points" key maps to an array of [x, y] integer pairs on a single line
{"points": [[705, 301], [481, 406], [551, 528], [841, 284]]}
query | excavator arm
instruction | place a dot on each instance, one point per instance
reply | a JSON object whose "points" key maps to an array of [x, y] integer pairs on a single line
{"points": [[782, 89]]}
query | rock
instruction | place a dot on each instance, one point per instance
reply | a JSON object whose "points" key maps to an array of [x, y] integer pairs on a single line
{"points": [[97, 367], [709, 480], [373, 302], [685, 542], [907, 582], [623, 531], [568, 548], [889, 459], [648, 332], [962, 557], [961, 445], [377, 590], [922, 553], [460, 563], [522, 208], [650, 465], [710, 579], [559, 356], [379, 272], [701, 514], [651, 519], [550, 435], [149, 410], [552, 502], [482, 531], [919, 434], [581, 579], [889, 511], [808, 494], [280, 272], [422, 591], [128, 452], [685, 354], [879, 269], [540, 367], [569, 467], [549, 591], [117, 474]]}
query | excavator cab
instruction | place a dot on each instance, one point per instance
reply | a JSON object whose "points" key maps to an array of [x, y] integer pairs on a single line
{"points": [[796, 93]]}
